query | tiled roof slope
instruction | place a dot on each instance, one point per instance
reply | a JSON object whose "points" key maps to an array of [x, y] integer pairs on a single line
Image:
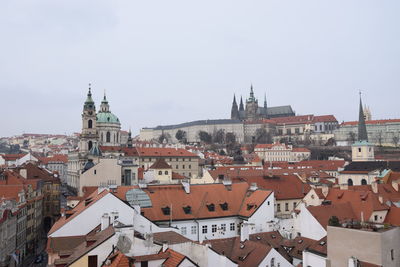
{"points": [[160, 164], [362, 202], [325, 212], [247, 253], [240, 202]]}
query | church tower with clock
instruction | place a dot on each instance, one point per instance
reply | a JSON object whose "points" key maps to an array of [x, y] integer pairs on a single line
{"points": [[89, 133]]}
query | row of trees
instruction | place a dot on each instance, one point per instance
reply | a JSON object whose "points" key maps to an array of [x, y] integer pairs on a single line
{"points": [[352, 137]]}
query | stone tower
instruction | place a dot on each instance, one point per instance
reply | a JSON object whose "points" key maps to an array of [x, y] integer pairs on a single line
{"points": [[89, 134], [235, 110], [108, 125], [251, 106]]}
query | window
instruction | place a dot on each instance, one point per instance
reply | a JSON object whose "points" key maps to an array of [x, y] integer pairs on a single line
{"points": [[286, 206], [90, 145], [193, 229], [359, 149], [392, 254], [376, 217], [294, 205], [350, 182], [190, 166], [177, 167], [159, 172], [90, 124], [204, 229], [214, 228], [363, 182], [183, 166], [166, 172], [232, 226], [223, 227], [278, 207], [183, 230], [273, 262], [108, 137]]}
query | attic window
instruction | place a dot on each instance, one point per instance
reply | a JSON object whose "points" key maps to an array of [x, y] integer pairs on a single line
{"points": [[258, 238], [273, 236], [166, 210], [211, 207], [322, 243], [242, 246], [300, 241], [224, 206], [187, 210], [250, 206], [88, 201]]}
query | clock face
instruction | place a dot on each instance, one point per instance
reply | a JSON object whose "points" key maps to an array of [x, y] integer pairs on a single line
{"points": [[90, 112]]}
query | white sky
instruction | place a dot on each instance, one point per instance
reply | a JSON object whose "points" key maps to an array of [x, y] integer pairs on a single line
{"points": [[164, 62]]}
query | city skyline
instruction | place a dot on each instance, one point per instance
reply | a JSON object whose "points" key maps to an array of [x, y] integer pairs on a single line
{"points": [[164, 66]]}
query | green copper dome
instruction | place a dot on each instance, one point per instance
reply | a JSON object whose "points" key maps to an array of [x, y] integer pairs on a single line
{"points": [[107, 117]]}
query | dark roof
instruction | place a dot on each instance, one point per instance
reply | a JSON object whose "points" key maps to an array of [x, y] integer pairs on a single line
{"points": [[280, 110], [372, 165]]}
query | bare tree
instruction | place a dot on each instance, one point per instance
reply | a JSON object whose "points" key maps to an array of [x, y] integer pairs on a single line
{"points": [[181, 136], [262, 136], [352, 137], [205, 137], [219, 136], [379, 137]]}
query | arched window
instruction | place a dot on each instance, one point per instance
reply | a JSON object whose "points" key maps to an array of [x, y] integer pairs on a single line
{"points": [[90, 145], [166, 172], [114, 137], [117, 137], [90, 124], [363, 182], [102, 137], [350, 182], [273, 262], [159, 172], [108, 137]]}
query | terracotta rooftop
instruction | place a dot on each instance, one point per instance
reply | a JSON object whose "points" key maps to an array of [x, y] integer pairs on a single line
{"points": [[298, 245], [247, 253], [325, 118], [163, 152], [54, 159], [324, 212], [273, 239], [160, 164], [203, 201], [393, 216], [170, 237], [319, 247], [372, 122]]}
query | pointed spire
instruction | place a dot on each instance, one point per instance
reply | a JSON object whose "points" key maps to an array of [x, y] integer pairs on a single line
{"points": [[105, 97], [362, 128], [234, 110], [251, 91], [89, 100], [265, 100], [129, 143], [241, 107]]}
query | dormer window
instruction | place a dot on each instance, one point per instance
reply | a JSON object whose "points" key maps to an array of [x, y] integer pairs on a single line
{"points": [[166, 210], [211, 207], [224, 206], [187, 210], [250, 206]]}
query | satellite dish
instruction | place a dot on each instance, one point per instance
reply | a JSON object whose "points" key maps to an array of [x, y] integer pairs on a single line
{"points": [[124, 244]]}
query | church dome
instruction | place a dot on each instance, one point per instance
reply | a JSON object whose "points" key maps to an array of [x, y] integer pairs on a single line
{"points": [[107, 117]]}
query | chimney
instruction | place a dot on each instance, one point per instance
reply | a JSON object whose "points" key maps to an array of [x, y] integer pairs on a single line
{"points": [[164, 246], [149, 239], [374, 186], [105, 221], [23, 173], [253, 187], [186, 186], [113, 218], [244, 232], [380, 199], [395, 185], [362, 216]]}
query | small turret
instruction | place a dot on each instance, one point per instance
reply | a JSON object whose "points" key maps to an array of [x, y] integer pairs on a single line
{"points": [[241, 107], [130, 142], [105, 107]]}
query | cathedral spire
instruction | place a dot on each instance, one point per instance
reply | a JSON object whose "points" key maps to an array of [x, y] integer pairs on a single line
{"points": [[241, 107], [105, 107], [265, 100], [235, 110], [362, 128]]}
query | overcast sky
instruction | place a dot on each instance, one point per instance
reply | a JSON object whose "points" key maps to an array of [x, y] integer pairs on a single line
{"points": [[167, 62]]}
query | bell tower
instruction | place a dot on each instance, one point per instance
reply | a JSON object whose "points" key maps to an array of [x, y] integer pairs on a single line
{"points": [[89, 134]]}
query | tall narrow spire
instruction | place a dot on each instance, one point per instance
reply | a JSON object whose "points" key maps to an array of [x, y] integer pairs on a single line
{"points": [[235, 110], [265, 100], [105, 107], [241, 107], [362, 128]]}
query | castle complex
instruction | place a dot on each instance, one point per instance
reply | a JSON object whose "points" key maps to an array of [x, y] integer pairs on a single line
{"points": [[255, 112]]}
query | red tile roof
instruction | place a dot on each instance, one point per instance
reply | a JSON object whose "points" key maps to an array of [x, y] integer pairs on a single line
{"points": [[284, 186], [393, 216], [323, 213], [54, 159], [163, 152], [247, 253], [160, 164], [12, 157], [236, 197], [303, 119], [362, 202], [325, 118]]}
